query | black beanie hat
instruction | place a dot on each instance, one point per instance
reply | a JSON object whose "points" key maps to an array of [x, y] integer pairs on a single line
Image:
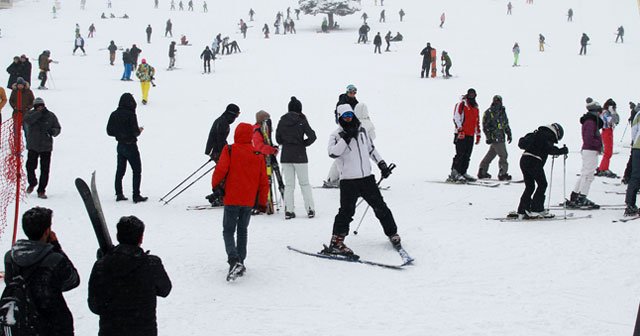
{"points": [[233, 109], [295, 105]]}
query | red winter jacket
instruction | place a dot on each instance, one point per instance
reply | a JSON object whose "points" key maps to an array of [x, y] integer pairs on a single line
{"points": [[245, 171], [467, 118], [258, 141]]}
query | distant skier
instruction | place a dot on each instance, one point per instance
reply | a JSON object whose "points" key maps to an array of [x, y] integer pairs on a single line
{"points": [[387, 39], [207, 55], [79, 43], [382, 16], [584, 40], [620, 34], [516, 54], [377, 42], [243, 28], [172, 55], [265, 30], [570, 15], [190, 5], [155, 4], [467, 122], [426, 61], [128, 66], [363, 33], [168, 28], [541, 42], [536, 151], [324, 26], [149, 30], [297, 10], [251, 13], [145, 74], [292, 26], [634, 109], [401, 13], [509, 7], [205, 8], [495, 125], [180, 5], [610, 120], [173, 5], [135, 53], [364, 17], [183, 40], [442, 19], [276, 25], [44, 62], [112, 51], [92, 29]]}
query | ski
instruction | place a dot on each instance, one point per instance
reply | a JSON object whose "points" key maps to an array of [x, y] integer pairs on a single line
{"points": [[94, 210], [569, 216], [204, 207], [503, 182], [626, 219], [602, 207], [613, 183], [354, 259], [406, 258], [616, 192], [472, 183], [337, 188]]}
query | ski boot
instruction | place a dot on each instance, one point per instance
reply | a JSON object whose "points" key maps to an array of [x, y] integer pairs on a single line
{"points": [[610, 174], [631, 210], [469, 178], [337, 247], [572, 202], [139, 198], [584, 202], [311, 213], [504, 177], [235, 270], [483, 175], [395, 240], [455, 177], [289, 215], [331, 184], [121, 197]]}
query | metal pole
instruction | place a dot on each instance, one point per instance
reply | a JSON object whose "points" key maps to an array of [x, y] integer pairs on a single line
{"points": [[553, 160], [355, 232], [190, 184], [185, 180], [564, 183]]}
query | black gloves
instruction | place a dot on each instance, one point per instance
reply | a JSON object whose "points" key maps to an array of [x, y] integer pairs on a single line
{"points": [[564, 150], [352, 132], [384, 169], [509, 138]]}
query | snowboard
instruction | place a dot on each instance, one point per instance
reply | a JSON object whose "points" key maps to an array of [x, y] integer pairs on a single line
{"points": [[434, 56], [92, 204]]}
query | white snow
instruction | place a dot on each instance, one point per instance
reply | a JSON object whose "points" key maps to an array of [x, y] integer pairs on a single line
{"points": [[471, 276]]}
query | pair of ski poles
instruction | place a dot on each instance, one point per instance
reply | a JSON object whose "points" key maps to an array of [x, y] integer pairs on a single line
{"points": [[184, 181], [355, 232], [564, 182]]}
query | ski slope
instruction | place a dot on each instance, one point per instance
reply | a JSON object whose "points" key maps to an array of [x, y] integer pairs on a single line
{"points": [[471, 276]]}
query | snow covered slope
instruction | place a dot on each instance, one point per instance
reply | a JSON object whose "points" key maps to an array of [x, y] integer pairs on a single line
{"points": [[471, 276]]}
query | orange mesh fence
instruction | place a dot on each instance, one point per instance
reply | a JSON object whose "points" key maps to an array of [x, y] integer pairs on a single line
{"points": [[12, 182]]}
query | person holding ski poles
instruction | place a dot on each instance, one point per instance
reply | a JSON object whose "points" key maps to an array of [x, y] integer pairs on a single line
{"points": [[261, 140]]}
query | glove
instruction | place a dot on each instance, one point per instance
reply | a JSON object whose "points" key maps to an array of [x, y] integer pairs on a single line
{"points": [[352, 132], [275, 150], [564, 150], [509, 138], [477, 139], [460, 134], [384, 169]]}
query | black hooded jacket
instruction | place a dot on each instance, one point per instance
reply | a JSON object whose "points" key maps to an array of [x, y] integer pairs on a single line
{"points": [[53, 275], [123, 123], [218, 135], [543, 145], [123, 288], [14, 70], [290, 133]]}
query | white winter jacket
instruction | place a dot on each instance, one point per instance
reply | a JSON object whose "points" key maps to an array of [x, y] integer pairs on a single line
{"points": [[353, 158]]}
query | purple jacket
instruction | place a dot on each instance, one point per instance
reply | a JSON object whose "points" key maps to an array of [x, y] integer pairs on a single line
{"points": [[591, 139]]}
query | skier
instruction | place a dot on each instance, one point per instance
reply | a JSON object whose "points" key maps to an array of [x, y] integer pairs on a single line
{"points": [[190, 4], [205, 8], [92, 29], [77, 29], [382, 16], [377, 42], [145, 73], [324, 26], [261, 140], [509, 7], [251, 13], [14, 70], [541, 42], [183, 40], [620, 34], [21, 98], [591, 147], [351, 146], [364, 17], [155, 4], [536, 151], [40, 126], [112, 51], [25, 68], [297, 10], [180, 5], [467, 122], [244, 181], [134, 52], [627, 171], [168, 28], [442, 18], [149, 30], [109, 4], [216, 140], [634, 173], [387, 39], [79, 43], [426, 60], [277, 26], [570, 15], [446, 64], [40, 258], [294, 134], [110, 292], [516, 54], [128, 65], [44, 62], [265, 30], [207, 55], [243, 28], [610, 120], [401, 12], [123, 125], [363, 32], [584, 40], [496, 128], [172, 55], [173, 5]]}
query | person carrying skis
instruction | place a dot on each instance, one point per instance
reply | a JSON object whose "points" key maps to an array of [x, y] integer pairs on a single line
{"points": [[172, 55], [516, 54], [207, 55], [634, 168], [377, 42], [112, 51], [261, 141], [40, 127], [467, 122], [216, 141], [295, 135], [584, 40], [620, 34], [496, 128], [591, 147], [145, 73], [541, 42], [537, 146], [149, 30], [426, 60], [446, 63], [352, 148], [610, 119]]}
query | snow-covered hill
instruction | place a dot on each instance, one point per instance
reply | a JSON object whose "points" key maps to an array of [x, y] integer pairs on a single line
{"points": [[471, 276]]}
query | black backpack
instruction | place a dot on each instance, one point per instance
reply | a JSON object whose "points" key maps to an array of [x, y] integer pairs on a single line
{"points": [[18, 313], [527, 141]]}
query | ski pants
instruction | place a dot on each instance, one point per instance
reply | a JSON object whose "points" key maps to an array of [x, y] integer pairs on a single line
{"points": [[112, 57], [148, 38], [128, 153], [607, 142], [515, 59], [32, 164], [634, 180], [235, 222], [43, 78], [377, 49], [425, 69], [145, 85], [619, 37], [172, 62], [541, 46], [627, 171], [446, 70], [362, 38], [366, 188], [81, 48], [533, 173], [290, 171], [207, 65], [589, 164], [583, 50], [464, 148], [168, 31], [127, 71], [388, 45], [499, 149]]}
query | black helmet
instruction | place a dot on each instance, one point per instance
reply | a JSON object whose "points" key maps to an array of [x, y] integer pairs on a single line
{"points": [[557, 129]]}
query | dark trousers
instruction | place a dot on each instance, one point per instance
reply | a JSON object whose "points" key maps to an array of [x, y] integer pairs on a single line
{"points": [[32, 164], [235, 219], [377, 49], [388, 45], [128, 153], [634, 180], [425, 69], [207, 65], [446, 70], [619, 37], [81, 48], [43, 78], [627, 171], [366, 188], [148, 38], [583, 50], [533, 173], [464, 148]]}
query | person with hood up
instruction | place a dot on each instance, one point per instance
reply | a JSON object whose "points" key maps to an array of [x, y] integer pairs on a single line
{"points": [[495, 125], [467, 122], [446, 64], [295, 135], [243, 172], [145, 74], [14, 70], [216, 141], [207, 55], [49, 271], [123, 125], [610, 119], [262, 144], [21, 99], [591, 148], [112, 51], [25, 68], [352, 148], [584, 41], [134, 52], [172, 55], [44, 61]]}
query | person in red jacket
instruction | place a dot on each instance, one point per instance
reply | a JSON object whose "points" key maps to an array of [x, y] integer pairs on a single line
{"points": [[245, 175], [466, 118], [257, 139], [261, 145]]}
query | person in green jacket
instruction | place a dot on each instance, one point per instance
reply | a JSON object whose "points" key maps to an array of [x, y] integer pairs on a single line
{"points": [[145, 74], [446, 64]]}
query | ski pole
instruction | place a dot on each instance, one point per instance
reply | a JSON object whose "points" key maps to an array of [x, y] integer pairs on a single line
{"points": [[185, 180], [553, 160], [564, 184], [355, 232], [189, 185], [624, 132], [53, 84]]}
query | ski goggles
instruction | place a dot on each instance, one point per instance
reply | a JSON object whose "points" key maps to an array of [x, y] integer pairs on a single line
{"points": [[347, 115]]}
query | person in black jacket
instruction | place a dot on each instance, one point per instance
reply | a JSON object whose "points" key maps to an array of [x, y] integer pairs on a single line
{"points": [[349, 97], [295, 135], [149, 30], [128, 65], [52, 272], [172, 55], [40, 126], [426, 61], [134, 52], [112, 51], [123, 125], [168, 28], [26, 68], [532, 166], [124, 284], [377, 42], [15, 70], [207, 56], [215, 143], [584, 40]]}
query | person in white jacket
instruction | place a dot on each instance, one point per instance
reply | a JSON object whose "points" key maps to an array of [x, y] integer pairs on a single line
{"points": [[362, 113], [351, 146]]}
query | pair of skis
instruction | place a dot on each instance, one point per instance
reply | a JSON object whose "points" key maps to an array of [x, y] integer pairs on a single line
{"points": [[510, 218], [406, 258], [91, 202]]}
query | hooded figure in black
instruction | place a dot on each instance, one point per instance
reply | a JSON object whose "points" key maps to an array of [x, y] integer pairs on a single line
{"points": [[215, 143], [15, 71], [123, 125], [125, 283]]}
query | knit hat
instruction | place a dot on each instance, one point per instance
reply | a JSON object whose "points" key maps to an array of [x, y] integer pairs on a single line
{"points": [[344, 108], [144, 61], [593, 105], [295, 105], [38, 101], [233, 109], [20, 80]]}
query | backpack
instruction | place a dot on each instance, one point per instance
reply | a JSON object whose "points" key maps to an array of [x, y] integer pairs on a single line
{"points": [[18, 312], [527, 141]]}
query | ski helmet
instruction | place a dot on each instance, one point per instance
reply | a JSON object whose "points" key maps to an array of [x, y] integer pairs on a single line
{"points": [[352, 88], [558, 130]]}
